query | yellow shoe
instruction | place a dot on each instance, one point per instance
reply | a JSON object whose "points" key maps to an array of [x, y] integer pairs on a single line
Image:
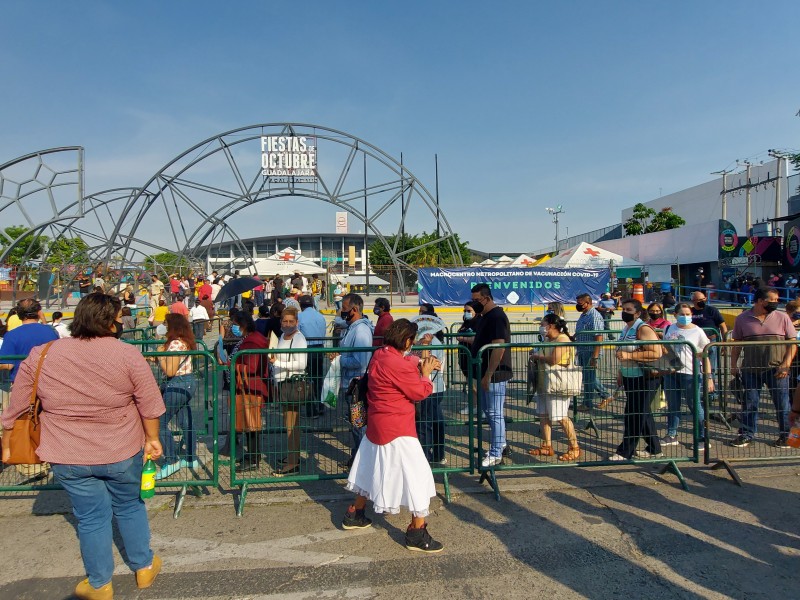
{"points": [[145, 577], [85, 591]]}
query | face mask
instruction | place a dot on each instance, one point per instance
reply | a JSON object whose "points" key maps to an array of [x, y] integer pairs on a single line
{"points": [[376, 311], [478, 308], [770, 306], [347, 315], [628, 317], [236, 330], [467, 316], [288, 330], [543, 331], [579, 307], [701, 304], [684, 320], [117, 329], [654, 316], [548, 312]]}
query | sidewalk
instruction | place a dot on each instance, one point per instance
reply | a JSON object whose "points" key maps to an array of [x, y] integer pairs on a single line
{"points": [[574, 533]]}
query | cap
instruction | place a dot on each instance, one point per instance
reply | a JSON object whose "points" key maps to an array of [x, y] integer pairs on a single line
{"points": [[161, 330]]}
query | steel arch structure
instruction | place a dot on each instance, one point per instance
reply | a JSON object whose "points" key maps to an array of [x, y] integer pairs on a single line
{"points": [[190, 204], [197, 194]]}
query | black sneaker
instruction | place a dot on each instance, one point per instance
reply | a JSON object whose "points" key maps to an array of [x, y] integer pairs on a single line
{"points": [[419, 540], [740, 441], [355, 520], [782, 441], [506, 451]]}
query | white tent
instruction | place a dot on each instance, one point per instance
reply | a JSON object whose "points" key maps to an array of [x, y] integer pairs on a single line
{"points": [[487, 262], [504, 260], [271, 266], [589, 256], [523, 260], [358, 278]]}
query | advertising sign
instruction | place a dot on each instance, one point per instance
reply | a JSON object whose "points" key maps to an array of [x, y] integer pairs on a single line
{"points": [[288, 157], [341, 222], [509, 285], [791, 246]]}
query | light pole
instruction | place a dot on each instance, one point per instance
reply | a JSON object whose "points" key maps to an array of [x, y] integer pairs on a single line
{"points": [[555, 212]]}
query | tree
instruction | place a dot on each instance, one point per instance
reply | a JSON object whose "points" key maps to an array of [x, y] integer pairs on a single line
{"points": [[795, 160], [30, 248], [647, 220], [67, 251], [430, 254], [167, 262]]}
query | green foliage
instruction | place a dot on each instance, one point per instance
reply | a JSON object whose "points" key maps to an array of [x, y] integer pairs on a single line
{"points": [[30, 248], [431, 254], [795, 160], [647, 220], [166, 263], [67, 251]]}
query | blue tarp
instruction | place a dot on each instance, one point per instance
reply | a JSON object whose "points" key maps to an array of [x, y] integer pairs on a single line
{"points": [[511, 285]]}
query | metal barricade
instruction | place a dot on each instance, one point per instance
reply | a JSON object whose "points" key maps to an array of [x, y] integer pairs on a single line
{"points": [[188, 429], [747, 415], [137, 334], [283, 433], [608, 421]]}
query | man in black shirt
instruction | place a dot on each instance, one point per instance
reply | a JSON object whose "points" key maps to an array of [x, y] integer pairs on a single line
{"points": [[493, 328], [706, 316]]}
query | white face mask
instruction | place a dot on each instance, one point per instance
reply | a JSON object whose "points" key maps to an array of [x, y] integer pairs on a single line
{"points": [[543, 331]]}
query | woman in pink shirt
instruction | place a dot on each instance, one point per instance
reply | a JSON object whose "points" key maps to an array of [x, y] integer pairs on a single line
{"points": [[100, 410], [390, 467]]}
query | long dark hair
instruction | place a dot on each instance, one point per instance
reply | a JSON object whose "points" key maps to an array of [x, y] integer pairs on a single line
{"points": [[178, 328], [561, 324]]}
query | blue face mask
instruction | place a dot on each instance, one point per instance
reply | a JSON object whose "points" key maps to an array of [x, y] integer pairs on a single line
{"points": [[467, 316], [236, 330], [684, 320]]}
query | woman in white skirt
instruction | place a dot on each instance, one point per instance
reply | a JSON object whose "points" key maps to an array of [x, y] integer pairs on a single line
{"points": [[390, 467], [553, 407]]}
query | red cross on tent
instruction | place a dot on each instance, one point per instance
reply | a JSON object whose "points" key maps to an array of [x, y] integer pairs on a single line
{"points": [[527, 262], [594, 253], [286, 256]]}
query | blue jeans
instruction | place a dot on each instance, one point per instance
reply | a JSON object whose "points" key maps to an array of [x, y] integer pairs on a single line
{"points": [[178, 392], [430, 427], [679, 387], [491, 404], [753, 380], [591, 384], [97, 492]]}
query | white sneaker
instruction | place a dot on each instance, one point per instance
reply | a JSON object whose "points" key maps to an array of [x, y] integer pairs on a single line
{"points": [[617, 458], [646, 454], [464, 411], [491, 461]]}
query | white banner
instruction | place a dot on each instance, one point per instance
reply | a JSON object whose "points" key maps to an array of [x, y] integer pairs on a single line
{"points": [[341, 222]]}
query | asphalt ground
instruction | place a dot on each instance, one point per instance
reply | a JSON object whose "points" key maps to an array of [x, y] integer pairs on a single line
{"points": [[573, 533]]}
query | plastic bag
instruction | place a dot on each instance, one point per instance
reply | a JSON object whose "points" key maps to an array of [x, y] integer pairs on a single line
{"points": [[331, 383]]}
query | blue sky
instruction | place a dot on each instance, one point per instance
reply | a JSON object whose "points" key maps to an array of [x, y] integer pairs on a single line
{"points": [[592, 105]]}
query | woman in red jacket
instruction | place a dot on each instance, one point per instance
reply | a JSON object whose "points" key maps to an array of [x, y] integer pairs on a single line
{"points": [[390, 467]]}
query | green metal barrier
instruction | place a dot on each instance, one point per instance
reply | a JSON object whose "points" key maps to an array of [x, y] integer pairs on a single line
{"points": [[198, 407], [598, 430], [137, 334], [750, 402], [272, 420]]}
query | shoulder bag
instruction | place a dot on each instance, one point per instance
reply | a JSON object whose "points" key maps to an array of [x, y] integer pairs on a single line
{"points": [[668, 363], [26, 433], [562, 380]]}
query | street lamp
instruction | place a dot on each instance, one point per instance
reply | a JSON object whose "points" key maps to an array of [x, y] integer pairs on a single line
{"points": [[555, 212]]}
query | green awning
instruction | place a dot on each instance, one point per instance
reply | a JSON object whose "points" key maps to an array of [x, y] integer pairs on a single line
{"points": [[626, 272]]}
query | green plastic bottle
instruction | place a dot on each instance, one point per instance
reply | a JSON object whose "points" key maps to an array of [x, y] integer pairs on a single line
{"points": [[148, 487]]}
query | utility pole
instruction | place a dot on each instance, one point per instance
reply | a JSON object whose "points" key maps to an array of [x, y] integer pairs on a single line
{"points": [[555, 212], [724, 192], [748, 219], [780, 156]]}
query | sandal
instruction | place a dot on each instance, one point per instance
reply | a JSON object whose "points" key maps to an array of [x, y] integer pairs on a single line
{"points": [[605, 403], [572, 454], [543, 450]]}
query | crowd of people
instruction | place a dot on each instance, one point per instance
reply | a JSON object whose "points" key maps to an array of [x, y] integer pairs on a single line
{"points": [[392, 454]]}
